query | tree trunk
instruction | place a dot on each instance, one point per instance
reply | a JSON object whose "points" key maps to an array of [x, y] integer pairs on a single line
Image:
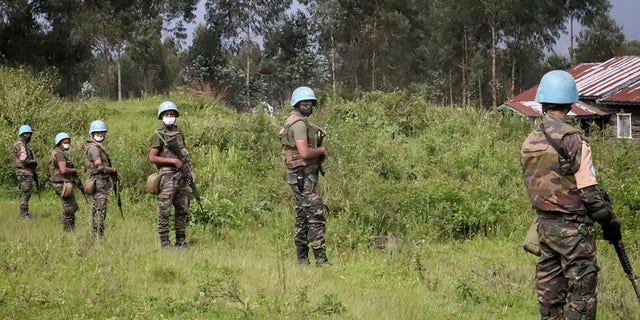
{"points": [[494, 80], [119, 79], [333, 65]]}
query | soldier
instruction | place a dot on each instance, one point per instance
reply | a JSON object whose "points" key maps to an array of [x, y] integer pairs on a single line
{"points": [[560, 181], [25, 168], [63, 177], [98, 165], [303, 161], [167, 147]]}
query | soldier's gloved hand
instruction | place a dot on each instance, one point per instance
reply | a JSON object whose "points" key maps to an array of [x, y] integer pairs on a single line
{"points": [[611, 231]]}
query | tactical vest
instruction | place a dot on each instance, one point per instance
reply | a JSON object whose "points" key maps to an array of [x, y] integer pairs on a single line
{"points": [[18, 148], [90, 165], [54, 171], [167, 136], [290, 154], [548, 176]]}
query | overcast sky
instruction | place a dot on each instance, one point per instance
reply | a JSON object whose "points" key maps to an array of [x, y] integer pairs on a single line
{"points": [[625, 12]]}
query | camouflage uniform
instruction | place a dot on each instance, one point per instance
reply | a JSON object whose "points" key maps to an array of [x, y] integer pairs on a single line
{"points": [[69, 204], [25, 167], [94, 151], [561, 187], [172, 191], [310, 225]]}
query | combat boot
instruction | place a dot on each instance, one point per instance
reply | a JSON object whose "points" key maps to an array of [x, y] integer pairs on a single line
{"points": [[164, 241], [321, 257], [303, 255], [552, 313], [180, 240], [24, 215]]}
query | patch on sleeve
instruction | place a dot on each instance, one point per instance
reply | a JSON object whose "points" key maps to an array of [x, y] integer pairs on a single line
{"points": [[586, 174]]}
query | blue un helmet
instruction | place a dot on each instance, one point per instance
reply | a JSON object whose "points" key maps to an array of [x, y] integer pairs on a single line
{"points": [[97, 126], [303, 93], [557, 87], [61, 136], [166, 106], [25, 128]]}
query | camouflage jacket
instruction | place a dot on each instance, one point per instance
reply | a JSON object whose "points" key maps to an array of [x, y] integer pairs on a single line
{"points": [[90, 165], [23, 158], [54, 171], [290, 154], [553, 180], [161, 138]]}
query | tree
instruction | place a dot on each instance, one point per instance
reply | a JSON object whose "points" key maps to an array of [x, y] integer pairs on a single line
{"points": [[601, 40], [239, 21], [292, 58]]}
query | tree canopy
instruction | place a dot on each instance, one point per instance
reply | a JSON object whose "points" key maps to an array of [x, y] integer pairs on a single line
{"points": [[255, 51]]}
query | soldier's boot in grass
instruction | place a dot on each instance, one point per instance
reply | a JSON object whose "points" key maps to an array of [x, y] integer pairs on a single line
{"points": [[303, 255], [551, 313], [68, 226], [180, 240], [164, 241], [24, 214], [321, 257]]}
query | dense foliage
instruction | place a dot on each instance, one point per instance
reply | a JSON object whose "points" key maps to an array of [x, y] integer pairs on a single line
{"points": [[255, 51], [397, 166]]}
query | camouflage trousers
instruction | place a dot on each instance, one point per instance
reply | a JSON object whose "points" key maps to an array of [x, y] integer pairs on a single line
{"points": [[69, 208], [100, 200], [25, 185], [173, 192], [567, 270], [310, 225]]}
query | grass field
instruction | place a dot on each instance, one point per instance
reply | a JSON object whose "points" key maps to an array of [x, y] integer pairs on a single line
{"points": [[50, 274]]}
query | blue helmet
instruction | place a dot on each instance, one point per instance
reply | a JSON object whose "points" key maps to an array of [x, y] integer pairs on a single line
{"points": [[303, 93], [25, 128], [166, 106], [557, 87], [97, 126], [61, 136]]}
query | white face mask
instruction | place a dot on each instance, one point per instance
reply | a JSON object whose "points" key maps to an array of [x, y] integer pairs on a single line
{"points": [[66, 146], [168, 121], [98, 138]]}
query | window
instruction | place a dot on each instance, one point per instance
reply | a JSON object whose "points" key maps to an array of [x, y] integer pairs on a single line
{"points": [[624, 125]]}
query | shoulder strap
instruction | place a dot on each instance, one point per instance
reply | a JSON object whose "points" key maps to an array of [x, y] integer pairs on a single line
{"points": [[559, 150]]}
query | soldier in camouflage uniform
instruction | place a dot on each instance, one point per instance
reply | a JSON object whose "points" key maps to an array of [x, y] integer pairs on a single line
{"points": [[303, 161], [98, 165], [560, 181], [173, 191], [63, 177], [25, 168]]}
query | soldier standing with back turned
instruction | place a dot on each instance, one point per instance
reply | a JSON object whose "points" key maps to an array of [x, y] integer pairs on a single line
{"points": [[561, 183], [303, 161], [25, 168], [98, 165]]}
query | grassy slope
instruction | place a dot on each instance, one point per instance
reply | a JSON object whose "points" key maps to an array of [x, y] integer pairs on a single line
{"points": [[229, 274]]}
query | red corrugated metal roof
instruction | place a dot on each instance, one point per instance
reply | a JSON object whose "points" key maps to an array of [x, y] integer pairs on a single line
{"points": [[615, 81], [598, 80], [534, 109], [628, 95]]}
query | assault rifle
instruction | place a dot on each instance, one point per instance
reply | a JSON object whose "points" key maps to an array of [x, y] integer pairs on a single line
{"points": [[185, 171], [80, 185], [116, 189], [320, 137], [626, 266], [34, 170]]}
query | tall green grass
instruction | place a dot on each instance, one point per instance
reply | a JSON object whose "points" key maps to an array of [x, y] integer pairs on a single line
{"points": [[440, 186]]}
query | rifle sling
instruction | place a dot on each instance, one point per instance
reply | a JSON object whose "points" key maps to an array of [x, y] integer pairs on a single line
{"points": [[555, 146]]}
